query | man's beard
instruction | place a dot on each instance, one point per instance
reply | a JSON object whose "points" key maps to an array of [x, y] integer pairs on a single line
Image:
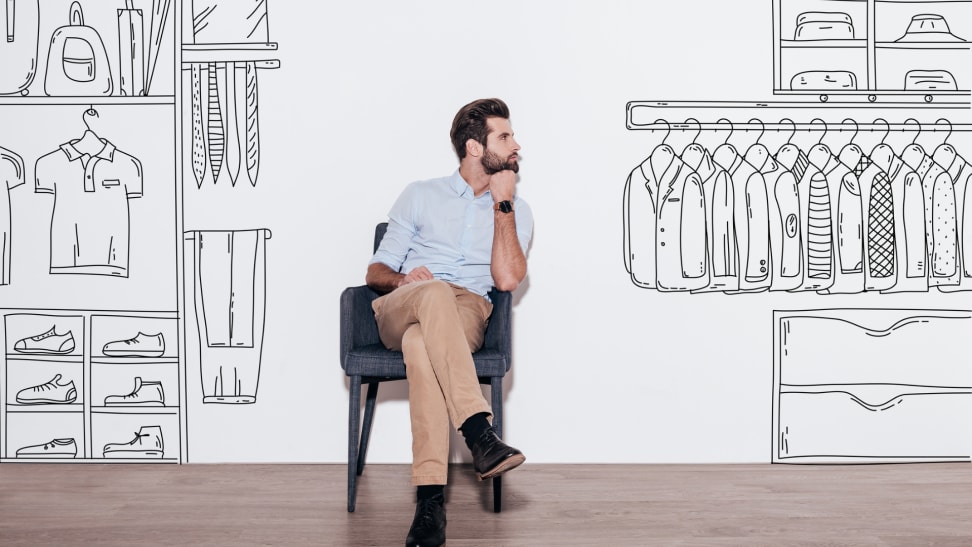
{"points": [[493, 164]]}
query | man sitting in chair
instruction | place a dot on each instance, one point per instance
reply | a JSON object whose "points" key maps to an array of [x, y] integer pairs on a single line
{"points": [[454, 238]]}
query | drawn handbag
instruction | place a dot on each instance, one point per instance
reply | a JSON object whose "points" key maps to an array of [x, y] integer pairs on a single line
{"points": [[18, 48], [77, 63], [824, 80], [823, 25]]}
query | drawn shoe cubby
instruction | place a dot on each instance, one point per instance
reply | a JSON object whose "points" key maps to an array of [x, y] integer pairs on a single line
{"points": [[91, 386], [915, 50]]}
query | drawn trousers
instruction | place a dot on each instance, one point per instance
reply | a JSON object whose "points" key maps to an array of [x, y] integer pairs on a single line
{"points": [[436, 326]]}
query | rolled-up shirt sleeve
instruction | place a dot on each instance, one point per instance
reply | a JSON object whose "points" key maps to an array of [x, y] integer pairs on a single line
{"points": [[394, 247]]}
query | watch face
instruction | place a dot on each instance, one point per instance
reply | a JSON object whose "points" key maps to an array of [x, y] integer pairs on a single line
{"points": [[506, 206]]}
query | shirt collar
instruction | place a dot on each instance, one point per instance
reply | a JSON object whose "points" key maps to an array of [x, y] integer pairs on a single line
{"points": [[106, 153], [461, 187]]}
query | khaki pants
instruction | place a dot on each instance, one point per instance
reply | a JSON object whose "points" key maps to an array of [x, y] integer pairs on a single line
{"points": [[437, 326]]}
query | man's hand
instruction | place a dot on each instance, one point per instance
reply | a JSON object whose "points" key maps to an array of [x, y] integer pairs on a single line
{"points": [[418, 274], [502, 185]]}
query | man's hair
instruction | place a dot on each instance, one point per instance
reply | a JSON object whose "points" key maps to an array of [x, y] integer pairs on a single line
{"points": [[470, 122]]}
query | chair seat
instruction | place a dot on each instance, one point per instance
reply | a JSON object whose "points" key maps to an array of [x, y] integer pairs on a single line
{"points": [[377, 361]]}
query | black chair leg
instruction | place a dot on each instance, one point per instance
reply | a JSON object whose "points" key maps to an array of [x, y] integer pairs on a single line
{"points": [[354, 424], [369, 418], [496, 398]]}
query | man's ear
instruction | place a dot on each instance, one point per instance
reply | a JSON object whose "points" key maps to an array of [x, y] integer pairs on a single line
{"points": [[473, 148]]}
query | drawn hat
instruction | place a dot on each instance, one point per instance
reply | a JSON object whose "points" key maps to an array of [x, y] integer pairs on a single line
{"points": [[928, 27]]}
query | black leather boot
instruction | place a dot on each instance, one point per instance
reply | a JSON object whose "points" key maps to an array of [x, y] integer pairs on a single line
{"points": [[429, 525]]}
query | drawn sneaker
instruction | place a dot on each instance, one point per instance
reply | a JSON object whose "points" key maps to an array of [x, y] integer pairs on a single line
{"points": [[58, 448], [47, 343], [144, 394], [143, 345], [51, 392], [146, 444]]}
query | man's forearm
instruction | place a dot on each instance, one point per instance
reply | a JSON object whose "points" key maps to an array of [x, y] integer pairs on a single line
{"points": [[383, 279], [508, 265]]}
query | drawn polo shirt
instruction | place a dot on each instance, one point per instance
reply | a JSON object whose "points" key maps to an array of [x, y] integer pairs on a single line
{"points": [[90, 223], [11, 176]]}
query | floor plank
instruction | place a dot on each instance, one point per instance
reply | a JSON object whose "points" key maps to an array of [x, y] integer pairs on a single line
{"points": [[544, 505]]}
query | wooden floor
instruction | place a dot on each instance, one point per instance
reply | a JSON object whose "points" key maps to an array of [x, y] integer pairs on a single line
{"points": [[544, 505]]}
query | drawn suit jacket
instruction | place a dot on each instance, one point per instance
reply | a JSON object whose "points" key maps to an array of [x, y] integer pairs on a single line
{"points": [[665, 212], [960, 171], [909, 222], [751, 217]]}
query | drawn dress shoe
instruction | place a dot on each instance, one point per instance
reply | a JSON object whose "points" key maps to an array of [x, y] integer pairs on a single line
{"points": [[49, 343], [429, 525], [142, 345], [58, 448], [144, 394], [492, 457], [51, 392]]}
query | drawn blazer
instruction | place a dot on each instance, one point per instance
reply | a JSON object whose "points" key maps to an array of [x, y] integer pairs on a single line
{"points": [[910, 253], [940, 217], [817, 241], [846, 226], [751, 217], [665, 216], [721, 231], [877, 208], [783, 211], [960, 171]]}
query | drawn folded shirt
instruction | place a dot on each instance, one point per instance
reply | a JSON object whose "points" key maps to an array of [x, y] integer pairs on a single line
{"points": [[824, 80], [928, 27], [823, 25], [930, 80], [90, 224]]}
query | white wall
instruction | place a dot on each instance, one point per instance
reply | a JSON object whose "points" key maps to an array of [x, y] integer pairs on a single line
{"points": [[603, 371]]}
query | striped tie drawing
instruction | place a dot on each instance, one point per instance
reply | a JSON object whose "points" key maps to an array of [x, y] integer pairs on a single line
{"points": [[880, 228]]}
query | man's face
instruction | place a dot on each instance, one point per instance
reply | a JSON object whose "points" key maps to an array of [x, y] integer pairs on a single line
{"points": [[501, 149]]}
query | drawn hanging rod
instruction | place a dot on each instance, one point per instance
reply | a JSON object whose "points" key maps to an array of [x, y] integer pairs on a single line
{"points": [[815, 125]]}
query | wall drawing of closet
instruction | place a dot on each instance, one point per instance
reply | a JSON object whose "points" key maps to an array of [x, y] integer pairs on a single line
{"points": [[93, 368], [908, 49], [760, 207], [871, 386]]}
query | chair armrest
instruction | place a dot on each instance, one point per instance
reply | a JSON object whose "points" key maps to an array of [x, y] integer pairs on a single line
{"points": [[358, 325], [498, 334]]}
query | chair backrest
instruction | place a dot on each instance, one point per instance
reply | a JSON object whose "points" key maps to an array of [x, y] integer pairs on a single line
{"points": [[380, 230]]}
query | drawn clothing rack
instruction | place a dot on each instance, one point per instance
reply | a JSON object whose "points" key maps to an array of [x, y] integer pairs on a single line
{"points": [[847, 219]]}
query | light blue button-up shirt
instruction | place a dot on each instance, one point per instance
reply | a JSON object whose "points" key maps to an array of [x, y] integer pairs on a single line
{"points": [[440, 224]]}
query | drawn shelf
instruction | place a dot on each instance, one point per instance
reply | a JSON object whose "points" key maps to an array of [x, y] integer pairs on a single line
{"points": [[78, 386], [906, 50]]}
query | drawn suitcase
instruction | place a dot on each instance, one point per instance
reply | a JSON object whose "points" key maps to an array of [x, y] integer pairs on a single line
{"points": [[18, 48], [77, 62]]}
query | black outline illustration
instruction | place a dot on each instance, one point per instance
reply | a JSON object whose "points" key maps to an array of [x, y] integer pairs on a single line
{"points": [[229, 297], [870, 386], [898, 219], [863, 48]]}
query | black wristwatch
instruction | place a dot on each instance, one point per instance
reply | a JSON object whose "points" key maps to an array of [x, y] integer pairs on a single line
{"points": [[505, 206]]}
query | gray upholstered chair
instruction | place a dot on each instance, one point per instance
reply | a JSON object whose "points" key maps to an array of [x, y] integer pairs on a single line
{"points": [[366, 361]]}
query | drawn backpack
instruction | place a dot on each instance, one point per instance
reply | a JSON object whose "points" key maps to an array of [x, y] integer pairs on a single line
{"points": [[77, 63], [18, 47]]}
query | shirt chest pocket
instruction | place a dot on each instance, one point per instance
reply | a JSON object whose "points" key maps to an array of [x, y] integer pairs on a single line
{"points": [[110, 183]]}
